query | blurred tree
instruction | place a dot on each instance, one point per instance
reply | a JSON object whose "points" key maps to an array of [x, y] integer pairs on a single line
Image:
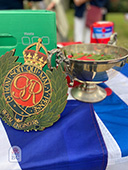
{"points": [[115, 5], [119, 6]]}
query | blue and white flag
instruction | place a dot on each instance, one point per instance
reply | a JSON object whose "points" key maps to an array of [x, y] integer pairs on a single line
{"points": [[113, 112]]}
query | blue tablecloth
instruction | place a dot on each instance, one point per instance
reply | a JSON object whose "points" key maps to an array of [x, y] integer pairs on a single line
{"points": [[75, 142], [72, 143]]}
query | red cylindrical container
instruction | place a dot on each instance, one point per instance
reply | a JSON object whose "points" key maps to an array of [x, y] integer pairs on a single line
{"points": [[101, 32]]}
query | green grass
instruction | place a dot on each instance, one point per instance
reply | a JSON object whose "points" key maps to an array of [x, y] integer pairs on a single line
{"points": [[70, 17], [120, 26]]}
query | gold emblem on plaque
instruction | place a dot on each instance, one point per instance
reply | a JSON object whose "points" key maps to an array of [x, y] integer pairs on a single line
{"points": [[33, 99]]}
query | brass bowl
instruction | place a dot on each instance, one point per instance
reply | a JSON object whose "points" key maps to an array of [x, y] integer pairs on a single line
{"points": [[90, 73]]}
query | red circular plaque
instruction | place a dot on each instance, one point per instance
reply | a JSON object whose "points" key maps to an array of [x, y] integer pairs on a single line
{"points": [[27, 89]]}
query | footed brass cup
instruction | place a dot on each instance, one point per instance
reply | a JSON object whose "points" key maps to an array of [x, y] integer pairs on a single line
{"points": [[91, 73]]}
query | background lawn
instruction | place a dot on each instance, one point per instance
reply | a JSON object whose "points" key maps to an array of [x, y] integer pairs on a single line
{"points": [[120, 26]]}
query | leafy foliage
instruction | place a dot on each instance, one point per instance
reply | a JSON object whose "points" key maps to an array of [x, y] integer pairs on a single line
{"points": [[7, 62]]}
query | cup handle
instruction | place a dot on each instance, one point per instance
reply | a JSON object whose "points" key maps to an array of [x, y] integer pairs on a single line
{"points": [[60, 57], [113, 39]]}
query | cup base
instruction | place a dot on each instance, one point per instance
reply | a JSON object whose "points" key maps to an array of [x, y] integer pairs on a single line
{"points": [[90, 93]]}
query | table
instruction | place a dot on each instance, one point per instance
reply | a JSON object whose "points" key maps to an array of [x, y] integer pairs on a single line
{"points": [[85, 137]]}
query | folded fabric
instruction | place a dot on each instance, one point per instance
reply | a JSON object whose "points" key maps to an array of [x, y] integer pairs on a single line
{"points": [[113, 110]]}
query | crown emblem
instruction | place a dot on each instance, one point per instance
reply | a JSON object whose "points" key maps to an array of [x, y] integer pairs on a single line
{"points": [[35, 57]]}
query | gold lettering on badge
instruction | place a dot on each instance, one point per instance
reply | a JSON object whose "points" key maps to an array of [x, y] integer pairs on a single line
{"points": [[31, 83], [4, 112]]}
